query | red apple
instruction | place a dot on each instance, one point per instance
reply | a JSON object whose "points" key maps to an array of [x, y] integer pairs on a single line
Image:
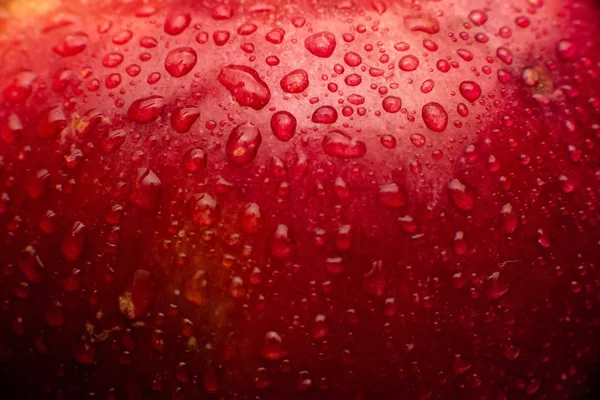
{"points": [[261, 199]]}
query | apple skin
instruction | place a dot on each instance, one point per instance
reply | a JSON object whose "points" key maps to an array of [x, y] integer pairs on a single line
{"points": [[277, 199]]}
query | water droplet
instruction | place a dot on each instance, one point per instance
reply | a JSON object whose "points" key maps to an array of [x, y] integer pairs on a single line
{"points": [[427, 86], [321, 44], [478, 17], [251, 218], [505, 55], [222, 12], [430, 45], [247, 29], [71, 45], [272, 348], [465, 54], [408, 63], [148, 42], [177, 22], [136, 298], [204, 209], [52, 122], [462, 196], [566, 50], [243, 143], [435, 117], [194, 160], [221, 37], [112, 140], [388, 141], [295, 82], [147, 189], [470, 90], [72, 245], [374, 280], [113, 80], [325, 115], [283, 125], [183, 118], [340, 145], [112, 60], [20, 87], [392, 104], [195, 289], [422, 23], [391, 195], [417, 139], [147, 109], [31, 265], [319, 329], [275, 36], [282, 246], [122, 37], [180, 61], [245, 85], [352, 59]]}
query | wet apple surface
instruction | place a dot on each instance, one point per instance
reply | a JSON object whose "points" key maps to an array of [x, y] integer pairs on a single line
{"points": [[337, 199]]}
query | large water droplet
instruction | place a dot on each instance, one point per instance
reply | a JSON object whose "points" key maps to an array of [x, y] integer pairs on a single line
{"points": [[147, 189], [138, 294], [177, 22], [52, 122], [352, 59], [71, 45], [470, 90], [282, 246], [147, 109], [181, 61], [245, 86], [112, 140], [321, 44], [295, 82], [73, 243], [243, 143], [183, 118], [391, 195], [250, 218], [325, 115], [392, 104], [194, 160], [196, 288], [462, 196], [422, 23], [340, 145], [283, 125], [408, 63], [435, 117], [272, 348], [204, 209], [275, 35]]}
